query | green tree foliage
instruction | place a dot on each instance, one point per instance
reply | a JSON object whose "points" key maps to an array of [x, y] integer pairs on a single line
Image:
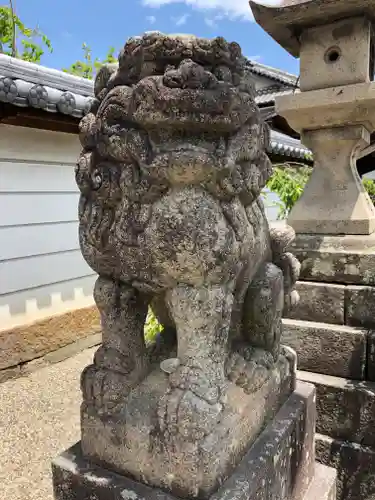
{"points": [[152, 327], [19, 41], [288, 182], [88, 67], [370, 188]]}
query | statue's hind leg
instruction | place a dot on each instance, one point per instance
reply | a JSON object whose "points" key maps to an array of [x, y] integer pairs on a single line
{"points": [[256, 351], [263, 309], [121, 361]]}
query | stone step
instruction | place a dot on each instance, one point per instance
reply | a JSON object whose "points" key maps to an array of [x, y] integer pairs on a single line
{"points": [[345, 408], [336, 350], [355, 465], [352, 305], [322, 302], [323, 485]]}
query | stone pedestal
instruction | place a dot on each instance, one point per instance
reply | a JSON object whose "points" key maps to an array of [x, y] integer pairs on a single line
{"points": [[279, 465], [130, 442], [344, 207], [332, 332]]}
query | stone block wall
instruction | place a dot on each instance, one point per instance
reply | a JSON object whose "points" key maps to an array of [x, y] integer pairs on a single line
{"points": [[32, 346], [333, 332]]}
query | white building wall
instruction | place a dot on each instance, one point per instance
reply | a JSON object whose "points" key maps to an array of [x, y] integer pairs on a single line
{"points": [[42, 271], [271, 203]]}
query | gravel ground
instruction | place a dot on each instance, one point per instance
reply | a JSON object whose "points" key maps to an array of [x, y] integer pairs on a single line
{"points": [[39, 418]]}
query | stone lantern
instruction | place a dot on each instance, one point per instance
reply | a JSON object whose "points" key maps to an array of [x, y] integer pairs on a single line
{"points": [[335, 110]]}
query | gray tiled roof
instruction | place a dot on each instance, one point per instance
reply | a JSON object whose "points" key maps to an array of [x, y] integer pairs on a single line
{"points": [[31, 85], [284, 145], [285, 83], [267, 95], [26, 84], [268, 112], [274, 74]]}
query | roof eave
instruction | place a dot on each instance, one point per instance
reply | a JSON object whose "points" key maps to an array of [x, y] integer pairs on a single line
{"points": [[49, 77]]}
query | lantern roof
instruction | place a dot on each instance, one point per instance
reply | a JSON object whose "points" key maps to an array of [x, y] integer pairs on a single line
{"points": [[285, 22]]}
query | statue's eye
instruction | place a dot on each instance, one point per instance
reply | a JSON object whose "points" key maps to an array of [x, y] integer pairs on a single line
{"points": [[97, 180]]}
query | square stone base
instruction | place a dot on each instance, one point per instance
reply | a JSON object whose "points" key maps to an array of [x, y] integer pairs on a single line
{"points": [[203, 451], [279, 465], [347, 259]]}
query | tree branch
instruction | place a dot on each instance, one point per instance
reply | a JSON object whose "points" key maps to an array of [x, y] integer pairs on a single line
{"points": [[14, 49]]}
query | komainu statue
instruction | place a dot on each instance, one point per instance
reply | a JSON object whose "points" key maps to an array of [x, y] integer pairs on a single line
{"points": [[173, 164]]}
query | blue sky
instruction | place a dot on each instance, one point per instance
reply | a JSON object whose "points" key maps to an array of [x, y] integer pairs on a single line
{"points": [[100, 24]]}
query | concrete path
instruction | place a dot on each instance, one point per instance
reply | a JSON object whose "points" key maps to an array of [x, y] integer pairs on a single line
{"points": [[39, 418]]}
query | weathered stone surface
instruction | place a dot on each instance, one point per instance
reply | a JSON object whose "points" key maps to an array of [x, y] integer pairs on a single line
{"points": [[335, 51], [73, 348], [8, 373], [329, 349], [355, 465], [321, 302], [346, 408], [340, 259], [322, 208], [278, 466], [323, 485], [371, 355], [172, 167], [51, 358], [28, 342], [334, 217], [317, 45], [360, 306], [283, 23]]}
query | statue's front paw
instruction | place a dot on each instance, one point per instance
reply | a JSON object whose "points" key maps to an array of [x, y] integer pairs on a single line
{"points": [[106, 383], [102, 389], [192, 406]]}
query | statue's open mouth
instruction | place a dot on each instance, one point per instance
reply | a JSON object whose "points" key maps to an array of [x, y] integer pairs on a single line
{"points": [[184, 164]]}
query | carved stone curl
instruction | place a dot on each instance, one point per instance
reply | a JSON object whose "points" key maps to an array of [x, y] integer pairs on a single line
{"points": [[171, 216]]}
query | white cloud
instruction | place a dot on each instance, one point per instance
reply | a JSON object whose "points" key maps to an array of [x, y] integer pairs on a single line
{"points": [[231, 8], [181, 20], [151, 19], [212, 22], [256, 58]]}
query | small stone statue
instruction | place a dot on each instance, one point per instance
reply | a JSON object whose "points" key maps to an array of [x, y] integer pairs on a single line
{"points": [[171, 172]]}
